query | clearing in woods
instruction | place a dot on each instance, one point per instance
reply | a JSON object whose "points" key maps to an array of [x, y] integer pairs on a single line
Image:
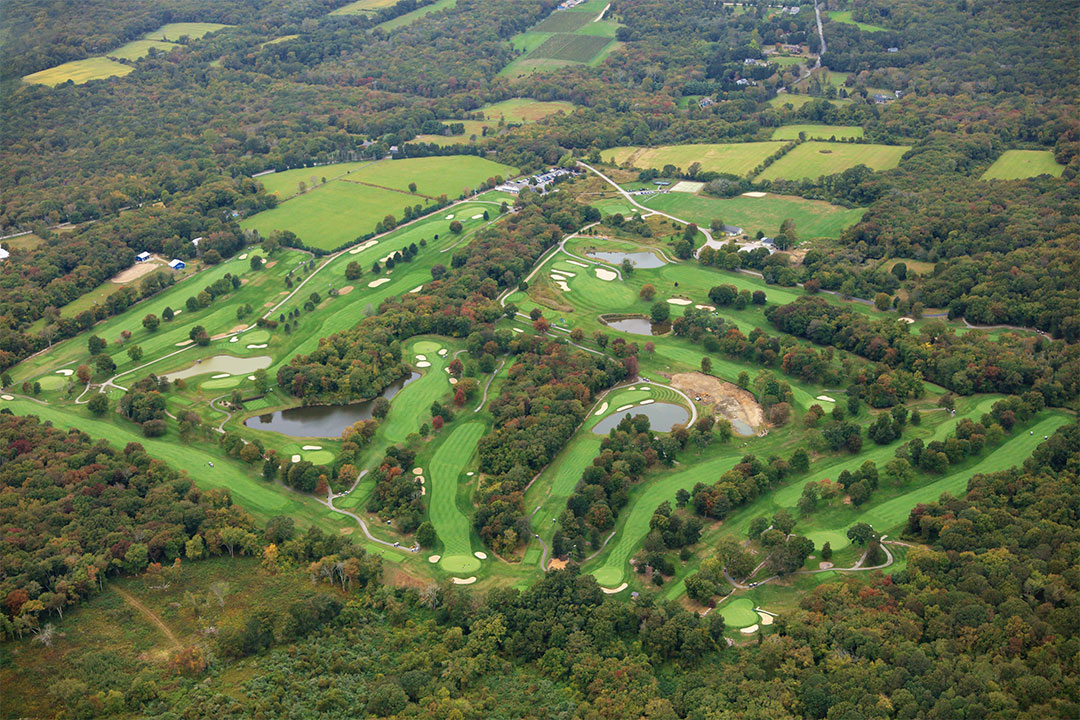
{"points": [[173, 32], [1019, 164], [811, 160], [363, 6], [734, 158], [817, 132], [79, 72], [140, 48], [525, 110], [411, 17], [844, 16]]}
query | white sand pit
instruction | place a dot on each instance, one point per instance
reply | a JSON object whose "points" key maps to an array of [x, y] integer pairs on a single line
{"points": [[480, 555], [311, 447], [579, 264], [562, 285], [177, 312], [421, 357], [606, 275], [749, 630], [754, 194], [185, 343], [434, 559], [363, 246], [679, 301], [907, 320], [423, 490], [687, 186], [450, 216], [251, 377], [650, 401], [256, 346], [442, 352], [453, 381], [220, 376], [612, 591], [710, 308], [477, 216], [296, 458], [556, 276], [377, 283], [623, 407], [346, 290], [235, 339], [419, 479], [417, 289], [470, 473], [826, 398], [423, 364], [602, 409], [567, 273], [518, 330], [825, 565], [65, 372], [463, 581], [418, 471], [7, 397], [766, 619], [242, 257]]}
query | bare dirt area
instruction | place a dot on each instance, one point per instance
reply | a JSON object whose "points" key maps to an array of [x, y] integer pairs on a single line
{"points": [[137, 270], [556, 564], [728, 400], [345, 290]]}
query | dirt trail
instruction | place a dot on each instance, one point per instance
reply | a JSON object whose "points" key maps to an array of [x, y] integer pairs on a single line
{"points": [[730, 401], [150, 615]]}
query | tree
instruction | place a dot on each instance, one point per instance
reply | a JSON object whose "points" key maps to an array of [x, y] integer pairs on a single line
{"points": [[826, 551], [438, 271], [627, 267], [757, 526], [96, 344], [82, 374], [151, 322], [660, 312], [135, 352], [716, 225], [861, 533], [706, 365], [256, 262], [380, 407], [882, 301], [899, 270], [648, 292], [455, 227], [99, 404], [353, 271], [104, 364], [425, 534], [412, 187], [783, 521]]}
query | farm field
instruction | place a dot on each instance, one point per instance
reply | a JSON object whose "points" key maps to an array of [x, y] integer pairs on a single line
{"points": [[172, 32], [362, 6], [811, 160], [797, 100], [818, 132], [813, 218], [79, 72], [286, 183], [844, 16], [453, 176], [140, 48], [525, 110], [734, 158], [1020, 164], [565, 37], [570, 47], [411, 17], [789, 60]]}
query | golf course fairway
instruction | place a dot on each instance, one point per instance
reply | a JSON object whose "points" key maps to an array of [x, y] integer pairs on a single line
{"points": [[450, 523]]}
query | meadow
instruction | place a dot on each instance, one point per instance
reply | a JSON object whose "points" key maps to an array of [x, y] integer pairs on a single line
{"points": [[811, 160], [140, 48], [733, 158], [818, 132], [525, 110], [844, 16], [797, 101], [173, 32], [1020, 164], [453, 176], [363, 6], [411, 17], [286, 183], [79, 72]]}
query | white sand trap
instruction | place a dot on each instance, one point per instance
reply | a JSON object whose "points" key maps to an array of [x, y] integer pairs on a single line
{"points": [[766, 619], [453, 381], [418, 471], [434, 559], [518, 330], [7, 397], [463, 581], [650, 401], [242, 257], [612, 591], [556, 276], [480, 555], [417, 289], [478, 216], [710, 308], [679, 301], [219, 376], [562, 285], [419, 479], [184, 343], [601, 410], [423, 490], [421, 357], [450, 216], [363, 246], [256, 346], [251, 377], [377, 283], [423, 364], [624, 407], [907, 320], [825, 565], [645, 388], [296, 458], [234, 339], [579, 264], [687, 186], [65, 372], [606, 275], [749, 630], [470, 473], [442, 352], [312, 447], [566, 273], [826, 398], [754, 194]]}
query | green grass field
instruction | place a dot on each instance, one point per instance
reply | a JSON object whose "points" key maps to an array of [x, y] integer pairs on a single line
{"points": [[79, 72], [285, 184], [797, 101], [813, 218], [734, 158], [563, 21], [411, 17], [844, 16], [570, 47], [453, 175], [1019, 164], [445, 471], [172, 32], [363, 6], [811, 160], [525, 110], [789, 60], [566, 37], [140, 48], [817, 132]]}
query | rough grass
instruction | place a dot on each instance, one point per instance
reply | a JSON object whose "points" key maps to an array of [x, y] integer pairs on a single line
{"points": [[452, 176], [140, 48], [79, 72], [172, 32], [811, 160], [733, 158], [1019, 164], [287, 183], [817, 132], [797, 101], [525, 110], [411, 17]]}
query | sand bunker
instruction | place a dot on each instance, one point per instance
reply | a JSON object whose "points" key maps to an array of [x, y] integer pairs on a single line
{"points": [[256, 346], [562, 285], [579, 264], [518, 330], [463, 581], [453, 381], [251, 377], [421, 357], [7, 397], [419, 479], [312, 447], [450, 216], [565, 272], [650, 401], [825, 565], [363, 246], [480, 555], [601, 410], [417, 289], [826, 398], [434, 559], [754, 194], [296, 458], [377, 283], [346, 290], [470, 473], [235, 339], [710, 308], [184, 343], [418, 471], [728, 400], [907, 320], [556, 276], [606, 275], [557, 564], [623, 408], [680, 301], [612, 591], [766, 619], [177, 312], [442, 352], [65, 372], [423, 364], [219, 376], [749, 630], [478, 216]]}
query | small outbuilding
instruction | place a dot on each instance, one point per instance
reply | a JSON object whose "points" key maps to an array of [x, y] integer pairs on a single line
{"points": [[177, 264], [142, 257]]}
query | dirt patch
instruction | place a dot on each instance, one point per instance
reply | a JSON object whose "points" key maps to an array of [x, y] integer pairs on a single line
{"points": [[728, 400], [556, 564], [270, 264], [345, 290], [137, 270]]}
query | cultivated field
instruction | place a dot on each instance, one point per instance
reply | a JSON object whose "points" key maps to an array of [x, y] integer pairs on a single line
{"points": [[563, 21], [411, 17], [452, 176], [818, 132], [570, 47], [811, 160], [362, 6], [172, 32], [79, 72], [525, 110], [140, 48], [733, 158], [565, 37], [1019, 164]]}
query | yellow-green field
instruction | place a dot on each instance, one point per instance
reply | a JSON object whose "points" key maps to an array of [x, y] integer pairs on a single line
{"points": [[79, 72], [287, 183], [844, 16], [140, 48], [411, 17], [734, 158], [172, 32], [525, 110], [434, 176], [797, 101], [363, 6], [817, 132], [1019, 164], [814, 159]]}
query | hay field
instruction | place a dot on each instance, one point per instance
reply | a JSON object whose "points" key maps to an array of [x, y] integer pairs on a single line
{"points": [[79, 72], [734, 158], [1019, 164], [814, 159]]}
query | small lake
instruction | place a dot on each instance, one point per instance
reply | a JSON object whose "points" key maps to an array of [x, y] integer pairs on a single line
{"points": [[662, 417], [644, 260], [223, 364], [741, 428], [638, 326], [322, 420]]}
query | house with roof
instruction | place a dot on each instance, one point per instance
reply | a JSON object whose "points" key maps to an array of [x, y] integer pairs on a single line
{"points": [[177, 264], [880, 99], [142, 257], [705, 102]]}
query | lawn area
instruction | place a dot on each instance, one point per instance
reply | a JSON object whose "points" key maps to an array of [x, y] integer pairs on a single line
{"points": [[1019, 164], [813, 218], [811, 160], [140, 48], [789, 60], [453, 175], [818, 132], [172, 32], [79, 72], [362, 6], [286, 183], [411, 17], [444, 473], [844, 16], [733, 158], [525, 110]]}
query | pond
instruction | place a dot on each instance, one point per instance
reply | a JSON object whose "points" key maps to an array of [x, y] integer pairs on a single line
{"points": [[662, 417], [741, 428], [322, 420], [638, 325], [644, 260], [222, 364]]}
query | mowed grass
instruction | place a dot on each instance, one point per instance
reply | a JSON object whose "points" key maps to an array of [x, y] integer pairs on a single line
{"points": [[411, 17], [818, 132], [563, 21], [285, 184], [811, 160], [797, 101], [363, 6], [140, 48], [733, 158], [79, 72], [813, 218], [453, 176], [525, 110], [1019, 164], [738, 612], [844, 16], [172, 32], [444, 473], [571, 47]]}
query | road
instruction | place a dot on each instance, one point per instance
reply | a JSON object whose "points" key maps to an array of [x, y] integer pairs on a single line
{"points": [[821, 33]]}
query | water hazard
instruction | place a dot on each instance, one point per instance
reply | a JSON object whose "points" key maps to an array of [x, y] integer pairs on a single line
{"points": [[639, 325], [662, 417], [644, 260], [322, 420]]}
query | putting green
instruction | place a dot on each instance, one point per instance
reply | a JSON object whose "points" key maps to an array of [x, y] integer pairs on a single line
{"points": [[319, 457], [739, 613], [425, 347], [459, 563], [255, 336], [52, 382]]}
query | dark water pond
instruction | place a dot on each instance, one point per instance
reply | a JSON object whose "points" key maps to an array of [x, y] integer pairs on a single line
{"points": [[742, 428], [638, 326], [662, 417], [639, 259], [322, 420]]}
